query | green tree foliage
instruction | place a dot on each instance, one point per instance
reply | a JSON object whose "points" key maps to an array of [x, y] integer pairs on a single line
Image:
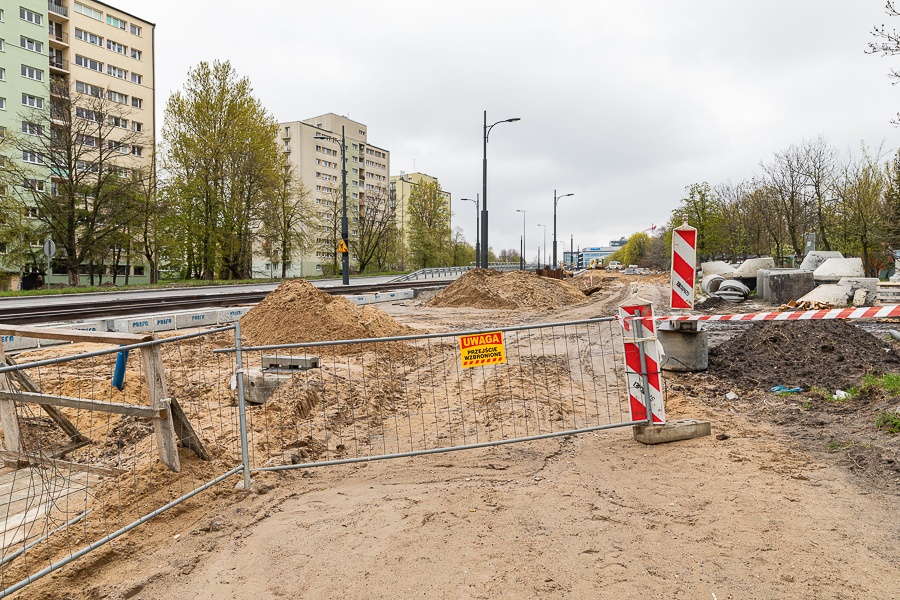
{"points": [[376, 229], [429, 225], [288, 221], [220, 165]]}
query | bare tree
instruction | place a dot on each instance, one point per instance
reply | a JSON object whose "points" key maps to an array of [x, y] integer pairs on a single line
{"points": [[288, 221], [376, 228]]}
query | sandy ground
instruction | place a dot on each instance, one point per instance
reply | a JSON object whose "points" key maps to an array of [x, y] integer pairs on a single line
{"points": [[593, 516]]}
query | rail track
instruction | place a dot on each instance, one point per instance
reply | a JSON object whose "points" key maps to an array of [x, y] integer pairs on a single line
{"points": [[29, 315]]}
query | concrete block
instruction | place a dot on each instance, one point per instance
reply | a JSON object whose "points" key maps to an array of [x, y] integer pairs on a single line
{"points": [[192, 319], [863, 297], [833, 269], [230, 315], [361, 299], [762, 280], [673, 431], [856, 283], [717, 267], [259, 385], [836, 295], [784, 285], [17, 342], [750, 266], [89, 326], [683, 350], [133, 325], [814, 260]]}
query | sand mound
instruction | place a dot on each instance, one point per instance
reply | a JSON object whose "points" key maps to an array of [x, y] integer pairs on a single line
{"points": [[297, 312], [487, 288], [829, 354]]}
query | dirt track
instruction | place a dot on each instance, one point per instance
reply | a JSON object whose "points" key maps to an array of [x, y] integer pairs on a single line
{"points": [[599, 515]]}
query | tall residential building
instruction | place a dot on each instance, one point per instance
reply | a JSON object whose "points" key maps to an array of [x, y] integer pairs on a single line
{"points": [[313, 148], [401, 187], [68, 48]]}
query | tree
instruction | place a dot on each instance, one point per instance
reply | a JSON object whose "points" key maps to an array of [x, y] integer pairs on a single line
{"points": [[288, 221], [376, 228], [221, 164], [704, 212], [461, 252], [887, 44], [85, 141], [429, 224], [862, 209]]}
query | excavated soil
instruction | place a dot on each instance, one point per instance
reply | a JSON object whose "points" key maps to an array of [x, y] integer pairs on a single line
{"points": [[515, 290], [825, 354], [297, 312]]}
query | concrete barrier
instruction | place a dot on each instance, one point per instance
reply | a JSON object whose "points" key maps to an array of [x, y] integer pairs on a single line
{"points": [[833, 269], [15, 342], [814, 259], [230, 315], [717, 267], [834, 294], [747, 270], [780, 286], [147, 324], [196, 319]]}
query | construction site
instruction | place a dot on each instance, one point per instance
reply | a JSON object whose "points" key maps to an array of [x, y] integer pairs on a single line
{"points": [[477, 440]]}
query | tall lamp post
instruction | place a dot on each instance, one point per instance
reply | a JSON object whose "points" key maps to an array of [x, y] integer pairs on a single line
{"points": [[477, 256], [345, 233], [555, 200], [545, 247], [522, 258], [484, 210]]}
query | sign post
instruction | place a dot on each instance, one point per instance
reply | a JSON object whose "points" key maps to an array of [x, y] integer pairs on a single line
{"points": [[49, 252]]}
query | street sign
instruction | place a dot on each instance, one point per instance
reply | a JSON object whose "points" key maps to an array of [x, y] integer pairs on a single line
{"points": [[342, 247], [482, 349], [49, 248], [684, 260]]}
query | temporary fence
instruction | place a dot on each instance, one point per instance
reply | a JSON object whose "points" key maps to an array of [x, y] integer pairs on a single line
{"points": [[98, 443]]}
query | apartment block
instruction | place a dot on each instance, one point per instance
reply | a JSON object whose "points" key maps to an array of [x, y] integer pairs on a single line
{"points": [[79, 49], [313, 148], [401, 186]]}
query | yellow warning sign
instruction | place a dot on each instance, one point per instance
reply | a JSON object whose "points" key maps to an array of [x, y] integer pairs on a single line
{"points": [[482, 349], [342, 247]]}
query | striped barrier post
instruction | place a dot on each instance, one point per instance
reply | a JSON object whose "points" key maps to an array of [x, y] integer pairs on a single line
{"points": [[642, 361], [684, 265]]}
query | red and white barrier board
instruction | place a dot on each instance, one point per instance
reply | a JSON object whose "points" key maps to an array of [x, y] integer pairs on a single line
{"points": [[638, 322], [684, 261], [865, 312]]}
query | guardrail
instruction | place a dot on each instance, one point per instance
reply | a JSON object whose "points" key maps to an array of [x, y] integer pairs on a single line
{"points": [[435, 272]]}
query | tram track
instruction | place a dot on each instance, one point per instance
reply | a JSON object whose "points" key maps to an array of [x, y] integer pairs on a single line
{"points": [[30, 315]]}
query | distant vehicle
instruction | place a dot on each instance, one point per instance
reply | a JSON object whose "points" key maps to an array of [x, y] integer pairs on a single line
{"points": [[615, 264]]}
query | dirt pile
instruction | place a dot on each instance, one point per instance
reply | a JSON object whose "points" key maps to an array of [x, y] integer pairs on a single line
{"points": [[297, 312], [827, 354], [487, 288]]}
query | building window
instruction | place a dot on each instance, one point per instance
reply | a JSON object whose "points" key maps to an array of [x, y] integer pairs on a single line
{"points": [[118, 122], [137, 102], [116, 72], [135, 126], [135, 78], [137, 150], [117, 97], [86, 88], [136, 30], [2, 103], [32, 73], [31, 128], [34, 184], [88, 63], [87, 36], [117, 146], [2, 48], [30, 44], [31, 17], [86, 140], [32, 101], [135, 53], [116, 47], [1, 15], [115, 22], [85, 113], [88, 11]]}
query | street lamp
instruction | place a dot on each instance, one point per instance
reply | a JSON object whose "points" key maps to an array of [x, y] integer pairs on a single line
{"points": [[545, 247], [522, 258], [477, 256], [555, 200], [345, 234], [484, 210]]}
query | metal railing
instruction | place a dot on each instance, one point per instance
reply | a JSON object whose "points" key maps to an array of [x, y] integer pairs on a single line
{"points": [[57, 9]]}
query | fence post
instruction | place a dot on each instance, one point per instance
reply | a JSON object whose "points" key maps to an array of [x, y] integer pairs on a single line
{"points": [[154, 371], [242, 407], [8, 416]]}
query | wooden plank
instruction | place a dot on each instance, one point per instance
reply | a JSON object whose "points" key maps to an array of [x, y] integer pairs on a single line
{"points": [[18, 458], [67, 402], [185, 432], [164, 427], [74, 335], [26, 383], [9, 418]]}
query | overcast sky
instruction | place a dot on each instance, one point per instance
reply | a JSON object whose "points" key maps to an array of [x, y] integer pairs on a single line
{"points": [[622, 103]]}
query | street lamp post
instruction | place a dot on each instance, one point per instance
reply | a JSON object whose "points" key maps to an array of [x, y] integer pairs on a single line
{"points": [[345, 233], [477, 256], [522, 258], [545, 247], [484, 210], [555, 200]]}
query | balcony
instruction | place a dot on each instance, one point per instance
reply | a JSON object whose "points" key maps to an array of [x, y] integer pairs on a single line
{"points": [[59, 40], [60, 65], [58, 9]]}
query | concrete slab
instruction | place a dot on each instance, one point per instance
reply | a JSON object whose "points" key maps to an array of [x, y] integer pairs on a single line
{"points": [[783, 285], [814, 259], [750, 266], [833, 269], [834, 294], [192, 319], [717, 267], [762, 280], [863, 297], [230, 315], [683, 350], [673, 431], [857, 283]]}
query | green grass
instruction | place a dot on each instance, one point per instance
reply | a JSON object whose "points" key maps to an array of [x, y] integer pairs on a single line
{"points": [[889, 382], [838, 445], [889, 421]]}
